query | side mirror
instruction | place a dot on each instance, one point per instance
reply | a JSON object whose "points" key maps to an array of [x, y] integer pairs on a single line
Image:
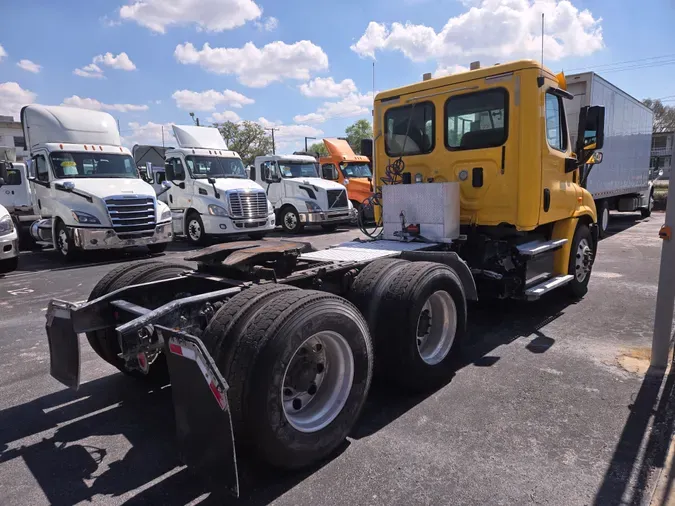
{"points": [[211, 180], [591, 132], [168, 168], [595, 158], [67, 186], [2, 182]]}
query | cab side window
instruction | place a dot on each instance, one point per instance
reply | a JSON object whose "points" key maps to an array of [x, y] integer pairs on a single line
{"points": [[556, 126], [178, 169], [328, 171], [13, 177], [42, 170], [477, 120]]}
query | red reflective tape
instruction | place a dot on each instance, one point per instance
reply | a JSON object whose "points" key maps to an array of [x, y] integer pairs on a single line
{"points": [[217, 395], [176, 349]]}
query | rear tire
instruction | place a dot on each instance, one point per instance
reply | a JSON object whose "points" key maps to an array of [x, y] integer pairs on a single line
{"points": [[421, 325], [269, 365], [581, 253]]}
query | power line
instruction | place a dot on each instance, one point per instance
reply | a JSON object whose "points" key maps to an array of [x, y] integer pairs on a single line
{"points": [[627, 67], [624, 62]]}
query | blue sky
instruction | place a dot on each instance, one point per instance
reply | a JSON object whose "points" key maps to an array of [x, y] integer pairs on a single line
{"points": [[304, 67]]}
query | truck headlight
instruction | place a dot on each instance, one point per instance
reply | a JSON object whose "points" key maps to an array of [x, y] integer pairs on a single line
{"points": [[6, 225], [345, 182], [312, 207], [85, 218], [215, 210], [166, 215], [270, 208]]}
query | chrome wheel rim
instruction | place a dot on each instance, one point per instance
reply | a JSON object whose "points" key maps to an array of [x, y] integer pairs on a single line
{"points": [[583, 261], [63, 242], [605, 218], [194, 230], [290, 220], [317, 381], [436, 327]]}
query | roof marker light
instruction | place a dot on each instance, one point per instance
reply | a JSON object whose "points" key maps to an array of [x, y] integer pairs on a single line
{"points": [[85, 147], [61, 146]]}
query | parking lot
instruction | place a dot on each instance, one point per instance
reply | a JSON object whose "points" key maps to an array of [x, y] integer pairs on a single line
{"points": [[551, 405]]}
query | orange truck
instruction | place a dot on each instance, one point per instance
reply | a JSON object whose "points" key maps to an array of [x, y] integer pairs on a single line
{"points": [[347, 168]]}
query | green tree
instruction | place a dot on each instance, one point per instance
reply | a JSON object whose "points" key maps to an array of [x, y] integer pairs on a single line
{"points": [[664, 115], [318, 147], [359, 130], [247, 138]]}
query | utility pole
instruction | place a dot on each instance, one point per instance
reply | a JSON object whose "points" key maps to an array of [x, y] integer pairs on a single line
{"points": [[313, 138], [162, 135], [272, 129]]}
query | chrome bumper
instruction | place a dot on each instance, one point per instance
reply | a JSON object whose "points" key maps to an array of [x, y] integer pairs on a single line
{"points": [[341, 216], [96, 238]]}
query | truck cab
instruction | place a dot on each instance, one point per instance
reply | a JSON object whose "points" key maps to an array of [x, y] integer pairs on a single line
{"points": [[210, 193], [299, 196], [500, 132], [347, 168], [86, 188], [16, 194]]}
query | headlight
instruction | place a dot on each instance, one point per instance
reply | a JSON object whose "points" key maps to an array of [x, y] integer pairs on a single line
{"points": [[86, 218], [215, 210], [166, 215], [6, 225], [312, 207], [345, 182], [270, 207]]}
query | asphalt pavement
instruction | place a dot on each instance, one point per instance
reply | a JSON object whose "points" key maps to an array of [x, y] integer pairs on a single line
{"points": [[552, 405]]}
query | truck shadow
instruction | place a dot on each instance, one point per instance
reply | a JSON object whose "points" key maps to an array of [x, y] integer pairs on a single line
{"points": [[620, 222], [59, 437]]}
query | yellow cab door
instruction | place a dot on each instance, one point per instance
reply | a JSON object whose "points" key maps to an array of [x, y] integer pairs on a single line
{"points": [[559, 191]]}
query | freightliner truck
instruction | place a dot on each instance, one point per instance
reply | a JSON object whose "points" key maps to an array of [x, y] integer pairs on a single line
{"points": [[269, 346]]}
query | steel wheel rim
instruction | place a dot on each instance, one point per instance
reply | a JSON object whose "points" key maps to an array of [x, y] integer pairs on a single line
{"points": [[195, 230], [605, 219], [290, 220], [436, 327], [582, 265], [317, 381], [63, 242]]}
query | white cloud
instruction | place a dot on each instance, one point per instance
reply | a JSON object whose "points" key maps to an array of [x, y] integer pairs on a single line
{"points": [[221, 117], [254, 66], [92, 70], [354, 104], [92, 103], [3, 53], [149, 133], [13, 97], [493, 29], [289, 138], [268, 24], [29, 66], [208, 15], [209, 99], [326, 87], [447, 70], [119, 62]]}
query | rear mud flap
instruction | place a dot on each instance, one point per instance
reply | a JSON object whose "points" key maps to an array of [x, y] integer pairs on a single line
{"points": [[64, 345], [203, 421]]}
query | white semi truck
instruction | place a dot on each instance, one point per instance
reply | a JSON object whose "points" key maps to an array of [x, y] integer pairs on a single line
{"points": [[211, 194], [16, 193], [622, 183], [86, 188], [9, 242], [299, 196]]}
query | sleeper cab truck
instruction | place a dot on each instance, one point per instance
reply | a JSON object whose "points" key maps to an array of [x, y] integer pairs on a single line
{"points": [[86, 187], [527, 224]]}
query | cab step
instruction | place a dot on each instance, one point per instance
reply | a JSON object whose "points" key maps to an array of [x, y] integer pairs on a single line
{"points": [[534, 248], [550, 284]]}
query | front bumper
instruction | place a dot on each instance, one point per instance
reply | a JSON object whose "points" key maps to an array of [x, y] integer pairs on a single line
{"points": [[9, 246], [107, 238], [224, 225], [340, 216]]}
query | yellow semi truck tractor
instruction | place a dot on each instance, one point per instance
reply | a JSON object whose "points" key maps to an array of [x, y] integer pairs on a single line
{"points": [[527, 224], [269, 345]]}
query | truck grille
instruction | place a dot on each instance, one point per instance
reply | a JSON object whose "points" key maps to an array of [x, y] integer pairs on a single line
{"points": [[248, 204], [337, 199], [132, 216]]}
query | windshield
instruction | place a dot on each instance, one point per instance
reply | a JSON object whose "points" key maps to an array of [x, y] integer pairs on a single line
{"points": [[298, 169], [355, 169], [212, 166], [93, 165]]}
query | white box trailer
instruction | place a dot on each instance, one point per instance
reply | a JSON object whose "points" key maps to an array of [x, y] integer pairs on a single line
{"points": [[621, 182]]}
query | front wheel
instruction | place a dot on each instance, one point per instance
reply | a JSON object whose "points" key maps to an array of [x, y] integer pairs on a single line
{"points": [[290, 220], [646, 212], [603, 218], [581, 261], [195, 230], [64, 242]]}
